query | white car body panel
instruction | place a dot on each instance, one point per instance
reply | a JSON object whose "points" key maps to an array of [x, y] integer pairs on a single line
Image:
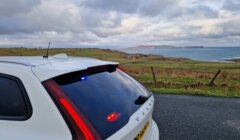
{"points": [[46, 68], [46, 121], [136, 124], [53, 69]]}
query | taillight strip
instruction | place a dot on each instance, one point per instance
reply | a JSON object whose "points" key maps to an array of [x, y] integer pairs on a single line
{"points": [[77, 119]]}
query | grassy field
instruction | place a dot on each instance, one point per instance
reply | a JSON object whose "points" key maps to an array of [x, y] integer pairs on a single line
{"points": [[174, 76]]}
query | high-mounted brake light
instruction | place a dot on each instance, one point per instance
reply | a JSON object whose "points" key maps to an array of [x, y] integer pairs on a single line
{"points": [[121, 69], [113, 117], [81, 127]]}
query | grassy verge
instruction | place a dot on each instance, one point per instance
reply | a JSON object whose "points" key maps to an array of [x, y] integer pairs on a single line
{"points": [[174, 76]]}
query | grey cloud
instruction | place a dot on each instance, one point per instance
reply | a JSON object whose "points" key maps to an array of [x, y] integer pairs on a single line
{"points": [[225, 30], [147, 8], [127, 6], [11, 7], [203, 11], [199, 11], [93, 18], [232, 5], [231, 28], [13, 25], [107, 22], [44, 17], [156, 7], [166, 8], [60, 18]]}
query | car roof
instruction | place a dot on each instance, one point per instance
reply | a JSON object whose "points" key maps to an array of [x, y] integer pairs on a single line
{"points": [[24, 60], [46, 68]]}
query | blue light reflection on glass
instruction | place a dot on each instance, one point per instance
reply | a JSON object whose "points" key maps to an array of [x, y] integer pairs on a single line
{"points": [[83, 78]]}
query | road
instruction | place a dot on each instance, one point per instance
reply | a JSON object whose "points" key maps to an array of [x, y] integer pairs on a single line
{"points": [[181, 117]]}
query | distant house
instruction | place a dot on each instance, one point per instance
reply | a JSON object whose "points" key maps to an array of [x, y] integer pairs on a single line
{"points": [[135, 56]]}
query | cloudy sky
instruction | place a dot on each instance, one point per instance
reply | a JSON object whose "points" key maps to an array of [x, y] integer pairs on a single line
{"points": [[119, 23]]}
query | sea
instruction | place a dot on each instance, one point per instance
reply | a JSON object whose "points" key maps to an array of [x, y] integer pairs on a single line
{"points": [[202, 54]]}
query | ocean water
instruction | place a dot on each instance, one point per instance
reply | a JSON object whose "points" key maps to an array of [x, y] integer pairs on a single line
{"points": [[202, 54]]}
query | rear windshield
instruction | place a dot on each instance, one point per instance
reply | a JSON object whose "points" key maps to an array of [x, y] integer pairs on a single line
{"points": [[101, 91]]}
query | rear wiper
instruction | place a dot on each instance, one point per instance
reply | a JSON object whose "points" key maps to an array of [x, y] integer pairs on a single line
{"points": [[141, 100]]}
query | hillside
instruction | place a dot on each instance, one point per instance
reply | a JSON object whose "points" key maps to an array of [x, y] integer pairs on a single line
{"points": [[173, 75], [152, 47]]}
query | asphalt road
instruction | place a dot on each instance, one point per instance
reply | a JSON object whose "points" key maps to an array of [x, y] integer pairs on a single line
{"points": [[197, 118]]}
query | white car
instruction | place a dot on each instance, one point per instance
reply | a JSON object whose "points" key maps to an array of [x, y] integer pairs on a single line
{"points": [[65, 98]]}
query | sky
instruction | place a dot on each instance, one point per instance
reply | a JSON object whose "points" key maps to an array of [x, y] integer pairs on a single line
{"points": [[119, 23]]}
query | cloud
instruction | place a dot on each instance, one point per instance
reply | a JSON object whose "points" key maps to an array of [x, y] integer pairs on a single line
{"points": [[119, 23], [11, 7], [231, 27], [126, 6], [232, 5], [53, 15], [157, 7]]}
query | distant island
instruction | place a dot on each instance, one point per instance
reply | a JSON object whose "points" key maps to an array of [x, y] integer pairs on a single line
{"points": [[160, 47], [153, 47], [193, 47]]}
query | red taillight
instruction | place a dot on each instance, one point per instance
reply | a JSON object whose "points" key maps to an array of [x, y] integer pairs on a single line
{"points": [[81, 127], [77, 119], [113, 117]]}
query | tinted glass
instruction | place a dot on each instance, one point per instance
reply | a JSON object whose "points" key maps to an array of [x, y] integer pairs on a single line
{"points": [[12, 103], [100, 94]]}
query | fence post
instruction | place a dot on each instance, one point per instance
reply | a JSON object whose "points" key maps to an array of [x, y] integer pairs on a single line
{"points": [[154, 77], [213, 79]]}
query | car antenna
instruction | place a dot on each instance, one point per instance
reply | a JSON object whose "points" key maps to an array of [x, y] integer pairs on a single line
{"points": [[46, 56]]}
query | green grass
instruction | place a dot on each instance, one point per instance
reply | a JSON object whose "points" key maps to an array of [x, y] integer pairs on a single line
{"points": [[174, 76], [197, 91]]}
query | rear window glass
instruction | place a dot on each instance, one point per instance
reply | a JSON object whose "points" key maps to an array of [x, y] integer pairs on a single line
{"points": [[99, 93]]}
